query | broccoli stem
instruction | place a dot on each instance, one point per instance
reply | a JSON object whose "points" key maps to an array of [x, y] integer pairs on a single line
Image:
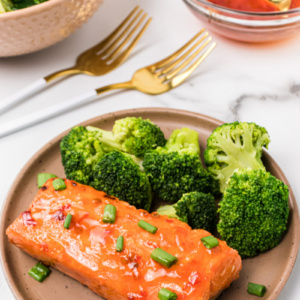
{"points": [[2, 9], [167, 210], [137, 160], [6, 5], [184, 139], [107, 138], [235, 158], [240, 158]]}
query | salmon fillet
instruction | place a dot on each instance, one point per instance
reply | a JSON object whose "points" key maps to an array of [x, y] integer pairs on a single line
{"points": [[87, 250]]}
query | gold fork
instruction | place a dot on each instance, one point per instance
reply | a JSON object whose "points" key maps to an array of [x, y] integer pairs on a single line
{"points": [[98, 60], [154, 79], [111, 52], [170, 72]]}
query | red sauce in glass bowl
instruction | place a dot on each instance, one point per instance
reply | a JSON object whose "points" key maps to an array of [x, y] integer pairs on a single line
{"points": [[295, 4], [252, 5]]}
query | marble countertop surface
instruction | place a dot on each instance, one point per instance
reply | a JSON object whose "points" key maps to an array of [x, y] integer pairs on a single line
{"points": [[238, 81]]}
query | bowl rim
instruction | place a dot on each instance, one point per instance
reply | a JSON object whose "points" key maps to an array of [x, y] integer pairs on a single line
{"points": [[252, 21], [32, 10], [241, 13]]}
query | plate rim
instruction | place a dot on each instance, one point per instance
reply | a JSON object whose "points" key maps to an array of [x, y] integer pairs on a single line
{"points": [[8, 277]]}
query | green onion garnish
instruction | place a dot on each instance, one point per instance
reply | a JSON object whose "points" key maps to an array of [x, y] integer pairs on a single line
{"points": [[164, 258], [59, 184], [148, 227], [43, 177], [210, 242], [256, 289], [39, 272], [109, 214], [165, 294], [120, 243], [67, 222]]}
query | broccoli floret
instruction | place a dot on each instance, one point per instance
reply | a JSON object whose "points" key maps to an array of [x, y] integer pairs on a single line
{"points": [[133, 135], [235, 146], [19, 4], [6, 5], [253, 212], [2, 8], [184, 140], [88, 161], [10, 5], [177, 169], [118, 175], [197, 209], [80, 151]]}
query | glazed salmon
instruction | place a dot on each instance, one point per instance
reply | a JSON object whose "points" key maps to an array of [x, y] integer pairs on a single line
{"points": [[87, 250]]}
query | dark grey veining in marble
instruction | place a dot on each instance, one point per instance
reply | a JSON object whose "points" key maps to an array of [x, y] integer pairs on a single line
{"points": [[292, 94]]}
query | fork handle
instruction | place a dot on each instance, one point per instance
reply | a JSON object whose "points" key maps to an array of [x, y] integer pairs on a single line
{"points": [[60, 108], [45, 114], [22, 94]]}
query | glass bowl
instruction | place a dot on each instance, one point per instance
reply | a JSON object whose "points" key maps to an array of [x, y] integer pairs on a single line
{"points": [[246, 26]]}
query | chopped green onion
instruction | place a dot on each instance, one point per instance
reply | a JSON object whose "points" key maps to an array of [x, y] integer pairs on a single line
{"points": [[109, 214], [67, 222], [59, 184], [164, 258], [165, 294], [39, 272], [120, 243], [256, 289], [148, 227], [43, 177], [210, 242]]}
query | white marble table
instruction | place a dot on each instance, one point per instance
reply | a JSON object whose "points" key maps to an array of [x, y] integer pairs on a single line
{"points": [[259, 83]]}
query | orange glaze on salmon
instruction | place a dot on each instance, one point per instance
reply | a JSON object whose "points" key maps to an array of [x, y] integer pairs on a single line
{"points": [[87, 251]]}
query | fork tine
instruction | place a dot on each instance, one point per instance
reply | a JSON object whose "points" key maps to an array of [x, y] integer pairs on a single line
{"points": [[177, 80], [127, 51], [115, 50], [170, 66], [115, 33], [113, 43], [170, 58], [187, 61]]}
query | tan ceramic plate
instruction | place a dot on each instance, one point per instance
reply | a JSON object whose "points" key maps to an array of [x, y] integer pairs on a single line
{"points": [[271, 269]]}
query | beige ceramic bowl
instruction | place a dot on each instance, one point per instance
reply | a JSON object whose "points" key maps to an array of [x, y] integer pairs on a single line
{"points": [[40, 26]]}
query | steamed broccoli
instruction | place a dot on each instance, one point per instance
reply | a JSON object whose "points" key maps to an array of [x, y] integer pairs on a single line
{"points": [[118, 175], [6, 5], [253, 212], [81, 149], [133, 135], [235, 146], [197, 209], [176, 169], [10, 5], [88, 161], [80, 152], [19, 4]]}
